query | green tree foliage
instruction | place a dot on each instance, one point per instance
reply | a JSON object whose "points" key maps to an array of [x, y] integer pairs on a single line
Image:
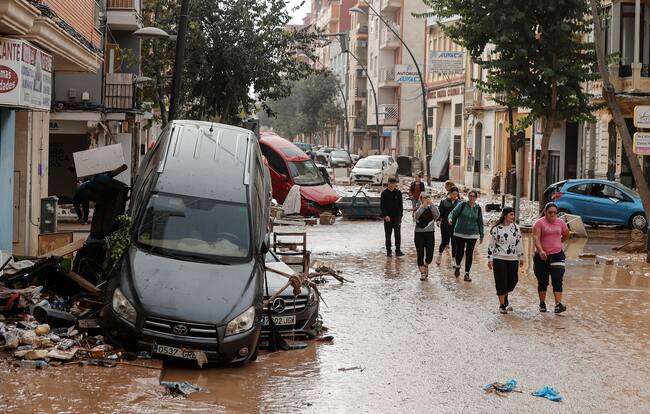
{"points": [[535, 55], [312, 105], [238, 51]]}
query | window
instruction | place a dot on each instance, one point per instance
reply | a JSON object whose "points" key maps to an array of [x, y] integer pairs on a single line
{"points": [[458, 116], [608, 191], [430, 117], [375, 143], [583, 189], [457, 139], [305, 173], [488, 153], [194, 228], [96, 15], [275, 161]]}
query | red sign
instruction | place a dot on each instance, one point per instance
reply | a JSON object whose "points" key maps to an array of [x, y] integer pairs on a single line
{"points": [[8, 79]]}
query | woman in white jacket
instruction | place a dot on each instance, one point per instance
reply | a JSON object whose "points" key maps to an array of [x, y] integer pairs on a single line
{"points": [[505, 254]]}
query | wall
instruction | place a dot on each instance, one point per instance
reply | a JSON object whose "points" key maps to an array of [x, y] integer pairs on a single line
{"points": [[79, 14], [7, 130], [82, 82]]}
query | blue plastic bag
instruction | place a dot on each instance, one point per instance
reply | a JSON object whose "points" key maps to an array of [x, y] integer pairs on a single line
{"points": [[501, 387], [549, 393]]}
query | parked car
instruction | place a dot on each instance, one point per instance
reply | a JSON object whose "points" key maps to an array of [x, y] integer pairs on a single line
{"points": [[598, 202], [304, 146], [355, 158], [290, 166], [323, 155], [295, 317], [193, 278], [375, 169], [340, 158]]}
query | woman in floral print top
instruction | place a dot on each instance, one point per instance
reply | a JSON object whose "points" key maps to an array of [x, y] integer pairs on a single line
{"points": [[505, 253]]}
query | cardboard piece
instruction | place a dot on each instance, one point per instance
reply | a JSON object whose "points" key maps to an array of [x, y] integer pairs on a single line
{"points": [[49, 242], [98, 160]]}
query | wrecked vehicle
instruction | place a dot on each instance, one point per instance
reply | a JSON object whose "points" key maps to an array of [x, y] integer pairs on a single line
{"points": [[193, 278], [294, 316]]}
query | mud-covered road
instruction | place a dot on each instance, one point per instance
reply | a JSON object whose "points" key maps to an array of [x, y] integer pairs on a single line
{"points": [[402, 345]]}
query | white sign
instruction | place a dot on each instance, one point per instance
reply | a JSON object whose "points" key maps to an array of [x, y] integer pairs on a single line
{"points": [[407, 74], [642, 116], [641, 143], [447, 63], [25, 75]]}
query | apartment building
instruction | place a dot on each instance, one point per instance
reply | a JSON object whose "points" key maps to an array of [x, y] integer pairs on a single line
{"points": [[358, 88], [41, 40]]}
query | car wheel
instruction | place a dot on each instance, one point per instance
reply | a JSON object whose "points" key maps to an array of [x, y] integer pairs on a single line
{"points": [[638, 222], [562, 212]]}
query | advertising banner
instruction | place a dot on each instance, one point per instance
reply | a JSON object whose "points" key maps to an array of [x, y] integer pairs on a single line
{"points": [[25, 75], [407, 74], [446, 63]]}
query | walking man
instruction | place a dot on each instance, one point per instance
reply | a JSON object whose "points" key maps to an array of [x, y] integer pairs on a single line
{"points": [[417, 188], [392, 210]]}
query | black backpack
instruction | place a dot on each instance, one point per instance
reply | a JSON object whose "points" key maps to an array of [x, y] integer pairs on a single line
{"points": [[425, 219]]}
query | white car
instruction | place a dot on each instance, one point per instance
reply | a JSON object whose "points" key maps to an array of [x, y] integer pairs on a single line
{"points": [[375, 169]]}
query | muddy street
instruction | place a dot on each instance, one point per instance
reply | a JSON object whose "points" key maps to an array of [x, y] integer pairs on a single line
{"points": [[404, 345]]}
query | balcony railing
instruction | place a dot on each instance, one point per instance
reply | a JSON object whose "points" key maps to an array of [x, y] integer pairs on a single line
{"points": [[387, 76], [360, 122], [389, 40], [624, 71], [119, 89], [388, 114], [362, 29], [360, 93], [473, 97], [389, 5], [120, 4]]}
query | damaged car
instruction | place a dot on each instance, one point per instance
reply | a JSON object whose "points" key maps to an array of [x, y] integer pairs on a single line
{"points": [[192, 281]]}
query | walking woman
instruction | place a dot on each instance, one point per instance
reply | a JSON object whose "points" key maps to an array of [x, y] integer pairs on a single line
{"points": [[505, 254], [447, 205], [467, 222], [549, 232], [425, 224]]}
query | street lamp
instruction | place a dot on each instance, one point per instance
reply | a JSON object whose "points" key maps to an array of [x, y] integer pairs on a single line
{"points": [[417, 66], [156, 33]]}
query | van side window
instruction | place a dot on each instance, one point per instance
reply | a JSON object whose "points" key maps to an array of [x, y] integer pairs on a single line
{"points": [[260, 225], [275, 160]]}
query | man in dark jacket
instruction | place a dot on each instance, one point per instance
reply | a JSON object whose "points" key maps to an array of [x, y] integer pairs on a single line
{"points": [[392, 210], [417, 188]]}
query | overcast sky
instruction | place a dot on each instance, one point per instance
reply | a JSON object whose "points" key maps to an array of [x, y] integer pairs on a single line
{"points": [[299, 14]]}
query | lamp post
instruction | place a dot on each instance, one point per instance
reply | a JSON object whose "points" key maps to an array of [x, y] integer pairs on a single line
{"points": [[417, 67]]}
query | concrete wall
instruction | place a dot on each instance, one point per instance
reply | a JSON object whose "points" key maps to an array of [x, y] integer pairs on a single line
{"points": [[7, 140], [81, 82]]}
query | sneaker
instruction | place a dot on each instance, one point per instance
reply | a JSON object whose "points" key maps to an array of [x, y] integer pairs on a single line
{"points": [[427, 271], [398, 253], [467, 278], [423, 276], [542, 307], [389, 253], [439, 259], [559, 308], [502, 309], [456, 271], [507, 304]]}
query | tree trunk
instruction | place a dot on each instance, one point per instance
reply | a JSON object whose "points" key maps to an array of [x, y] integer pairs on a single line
{"points": [[609, 93], [542, 168]]}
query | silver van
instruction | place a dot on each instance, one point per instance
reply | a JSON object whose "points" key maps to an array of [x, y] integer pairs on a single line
{"points": [[193, 277]]}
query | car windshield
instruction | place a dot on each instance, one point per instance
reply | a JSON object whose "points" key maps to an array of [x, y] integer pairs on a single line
{"points": [[340, 154], [305, 173], [195, 228], [366, 163], [627, 189]]}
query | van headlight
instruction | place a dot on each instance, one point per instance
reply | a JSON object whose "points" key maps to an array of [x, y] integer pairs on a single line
{"points": [[123, 307], [242, 323]]}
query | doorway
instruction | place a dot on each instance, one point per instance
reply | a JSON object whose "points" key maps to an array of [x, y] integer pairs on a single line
{"points": [[611, 152], [478, 154]]}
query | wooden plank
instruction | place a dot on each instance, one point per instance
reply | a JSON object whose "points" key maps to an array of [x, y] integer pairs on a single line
{"points": [[65, 250], [49, 242], [86, 285]]}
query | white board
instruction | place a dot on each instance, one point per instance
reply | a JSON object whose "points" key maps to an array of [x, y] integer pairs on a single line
{"points": [[98, 160]]}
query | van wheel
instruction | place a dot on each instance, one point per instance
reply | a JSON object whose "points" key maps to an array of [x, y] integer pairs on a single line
{"points": [[638, 222]]}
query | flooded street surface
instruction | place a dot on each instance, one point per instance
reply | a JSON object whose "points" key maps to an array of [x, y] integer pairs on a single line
{"points": [[402, 345]]}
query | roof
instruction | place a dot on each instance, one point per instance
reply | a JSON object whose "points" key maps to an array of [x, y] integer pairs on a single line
{"points": [[288, 149], [207, 164]]}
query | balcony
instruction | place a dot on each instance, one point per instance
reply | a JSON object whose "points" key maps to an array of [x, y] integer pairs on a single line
{"points": [[388, 39], [360, 123], [118, 93], [361, 73], [388, 114], [360, 46], [473, 98], [360, 93], [362, 29], [390, 5], [634, 78], [387, 77], [122, 15]]}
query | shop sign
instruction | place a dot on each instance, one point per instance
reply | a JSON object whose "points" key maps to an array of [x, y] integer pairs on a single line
{"points": [[642, 116], [446, 63], [25, 75], [641, 143], [407, 74]]}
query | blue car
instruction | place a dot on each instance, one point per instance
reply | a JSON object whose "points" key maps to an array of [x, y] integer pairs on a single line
{"points": [[599, 202]]}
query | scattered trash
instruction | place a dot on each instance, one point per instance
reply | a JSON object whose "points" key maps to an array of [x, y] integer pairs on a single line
{"points": [[33, 364], [360, 369], [328, 338], [587, 256], [501, 388], [181, 388], [549, 393], [605, 260]]}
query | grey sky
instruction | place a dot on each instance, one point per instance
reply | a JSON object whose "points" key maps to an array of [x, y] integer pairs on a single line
{"points": [[299, 14]]}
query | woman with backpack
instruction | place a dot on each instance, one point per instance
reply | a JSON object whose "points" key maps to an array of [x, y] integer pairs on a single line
{"points": [[467, 222], [505, 254], [425, 223]]}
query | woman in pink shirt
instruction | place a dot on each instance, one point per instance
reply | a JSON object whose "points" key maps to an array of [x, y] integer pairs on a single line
{"points": [[549, 232]]}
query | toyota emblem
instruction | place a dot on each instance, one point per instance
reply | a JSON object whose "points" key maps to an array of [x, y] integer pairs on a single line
{"points": [[279, 305], [180, 330]]}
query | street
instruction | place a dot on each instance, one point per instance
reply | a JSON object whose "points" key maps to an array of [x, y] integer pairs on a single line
{"points": [[402, 345]]}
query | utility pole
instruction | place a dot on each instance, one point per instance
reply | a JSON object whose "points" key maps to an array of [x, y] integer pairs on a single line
{"points": [[178, 61], [520, 145]]}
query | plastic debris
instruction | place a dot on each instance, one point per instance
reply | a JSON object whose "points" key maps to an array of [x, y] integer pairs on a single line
{"points": [[183, 388], [501, 388], [549, 393]]}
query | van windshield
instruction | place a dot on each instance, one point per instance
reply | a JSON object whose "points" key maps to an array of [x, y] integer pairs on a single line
{"points": [[305, 173], [195, 228]]}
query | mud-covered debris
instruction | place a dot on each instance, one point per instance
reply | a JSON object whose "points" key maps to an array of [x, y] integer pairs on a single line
{"points": [[501, 388], [357, 368], [181, 388], [604, 260], [587, 256]]}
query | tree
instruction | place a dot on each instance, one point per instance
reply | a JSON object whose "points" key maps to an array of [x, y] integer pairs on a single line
{"points": [[237, 52], [313, 104], [535, 56], [609, 93]]}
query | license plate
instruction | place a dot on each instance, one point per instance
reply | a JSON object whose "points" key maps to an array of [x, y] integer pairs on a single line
{"points": [[280, 320], [174, 352]]}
